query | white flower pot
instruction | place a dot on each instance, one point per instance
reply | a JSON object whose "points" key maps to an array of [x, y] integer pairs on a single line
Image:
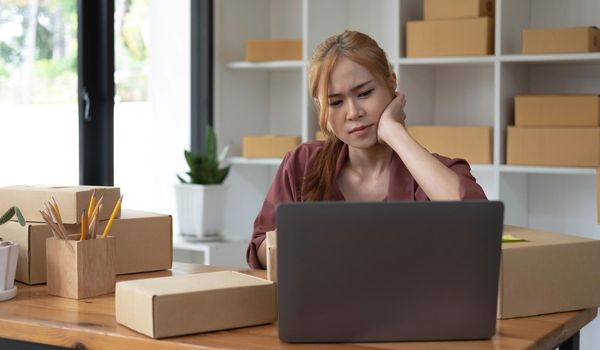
{"points": [[200, 210], [9, 252]]}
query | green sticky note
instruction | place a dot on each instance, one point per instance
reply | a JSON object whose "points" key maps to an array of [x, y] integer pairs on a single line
{"points": [[512, 239]]}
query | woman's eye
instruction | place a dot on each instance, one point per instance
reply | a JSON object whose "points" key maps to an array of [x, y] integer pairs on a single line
{"points": [[366, 93], [335, 103]]}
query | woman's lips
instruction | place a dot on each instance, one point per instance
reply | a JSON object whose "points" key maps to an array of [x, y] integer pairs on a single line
{"points": [[360, 130]]}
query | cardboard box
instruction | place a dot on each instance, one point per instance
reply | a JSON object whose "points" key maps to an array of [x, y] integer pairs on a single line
{"points": [[320, 136], [273, 50], [444, 9], [81, 269], [144, 243], [598, 195], [561, 40], [549, 273], [272, 255], [557, 110], [472, 143], [72, 200], [209, 301], [459, 37], [553, 146], [268, 146]]}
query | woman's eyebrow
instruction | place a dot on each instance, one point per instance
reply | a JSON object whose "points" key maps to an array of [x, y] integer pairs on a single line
{"points": [[356, 87]]}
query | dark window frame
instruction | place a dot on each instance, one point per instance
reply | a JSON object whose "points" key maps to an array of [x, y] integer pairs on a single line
{"points": [[96, 87], [202, 25], [96, 91]]}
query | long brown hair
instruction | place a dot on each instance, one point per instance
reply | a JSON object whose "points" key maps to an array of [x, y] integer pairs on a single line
{"points": [[363, 50]]}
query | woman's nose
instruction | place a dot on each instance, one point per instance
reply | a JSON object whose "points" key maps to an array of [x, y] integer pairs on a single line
{"points": [[354, 109]]}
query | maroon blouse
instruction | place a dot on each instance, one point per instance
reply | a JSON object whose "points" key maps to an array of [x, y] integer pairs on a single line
{"points": [[287, 187]]}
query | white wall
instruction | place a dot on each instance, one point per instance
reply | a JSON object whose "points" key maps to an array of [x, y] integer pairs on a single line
{"points": [[150, 138]]}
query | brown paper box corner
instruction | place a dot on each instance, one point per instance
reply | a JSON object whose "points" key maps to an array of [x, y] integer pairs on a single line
{"points": [[268, 146], [459, 37], [472, 143], [144, 243], [211, 301], [553, 146], [72, 200], [550, 273]]}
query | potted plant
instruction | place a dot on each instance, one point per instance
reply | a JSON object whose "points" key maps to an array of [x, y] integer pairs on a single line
{"points": [[201, 200], [9, 252]]}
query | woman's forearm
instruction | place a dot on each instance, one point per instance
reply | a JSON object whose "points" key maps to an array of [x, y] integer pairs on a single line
{"points": [[437, 181], [262, 254]]}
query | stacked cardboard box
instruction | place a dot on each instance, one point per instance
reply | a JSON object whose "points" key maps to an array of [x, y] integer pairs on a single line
{"points": [[472, 143], [144, 240], [561, 40], [268, 146], [547, 273], [187, 304], [559, 130], [452, 28], [273, 50]]}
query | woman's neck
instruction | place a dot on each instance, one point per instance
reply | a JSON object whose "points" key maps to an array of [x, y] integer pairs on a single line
{"points": [[371, 161]]}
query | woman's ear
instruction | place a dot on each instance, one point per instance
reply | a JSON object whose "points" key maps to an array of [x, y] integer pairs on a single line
{"points": [[393, 81], [316, 102]]}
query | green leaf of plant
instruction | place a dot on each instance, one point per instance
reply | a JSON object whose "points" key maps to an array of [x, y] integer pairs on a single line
{"points": [[204, 168], [20, 217], [7, 215], [223, 154], [181, 179], [211, 143]]}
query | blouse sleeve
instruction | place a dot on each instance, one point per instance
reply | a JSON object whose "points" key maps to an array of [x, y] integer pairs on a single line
{"points": [[468, 188], [282, 189]]}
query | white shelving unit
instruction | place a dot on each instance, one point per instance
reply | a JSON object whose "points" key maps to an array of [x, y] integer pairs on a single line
{"points": [[272, 97], [226, 253]]}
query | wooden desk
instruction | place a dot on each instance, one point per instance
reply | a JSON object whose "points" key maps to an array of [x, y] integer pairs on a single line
{"points": [[34, 316]]}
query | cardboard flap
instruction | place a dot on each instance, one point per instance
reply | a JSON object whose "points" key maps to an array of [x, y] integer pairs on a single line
{"points": [[200, 282]]}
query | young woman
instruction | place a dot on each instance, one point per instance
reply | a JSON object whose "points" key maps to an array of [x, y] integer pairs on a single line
{"points": [[368, 154]]}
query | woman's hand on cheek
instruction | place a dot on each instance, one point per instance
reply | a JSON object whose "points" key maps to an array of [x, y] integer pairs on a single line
{"points": [[392, 114]]}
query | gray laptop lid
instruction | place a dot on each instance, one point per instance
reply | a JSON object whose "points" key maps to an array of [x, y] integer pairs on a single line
{"points": [[388, 271]]}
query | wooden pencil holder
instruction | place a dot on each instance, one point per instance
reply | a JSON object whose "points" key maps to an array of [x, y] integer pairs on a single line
{"points": [[80, 269]]}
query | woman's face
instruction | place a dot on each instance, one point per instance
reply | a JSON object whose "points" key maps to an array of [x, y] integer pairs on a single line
{"points": [[356, 101]]}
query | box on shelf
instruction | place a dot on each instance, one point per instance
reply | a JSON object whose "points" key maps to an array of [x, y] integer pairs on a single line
{"points": [[320, 136], [210, 301], [72, 200], [273, 50], [268, 146], [444, 9], [144, 243], [79, 269], [549, 273], [557, 110], [457, 37], [553, 146], [561, 40], [472, 143]]}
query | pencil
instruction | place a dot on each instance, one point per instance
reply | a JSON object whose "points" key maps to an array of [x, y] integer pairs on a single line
{"points": [[92, 204], [112, 217], [83, 226]]}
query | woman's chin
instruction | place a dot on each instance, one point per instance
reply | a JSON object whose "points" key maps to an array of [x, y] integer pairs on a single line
{"points": [[366, 143]]}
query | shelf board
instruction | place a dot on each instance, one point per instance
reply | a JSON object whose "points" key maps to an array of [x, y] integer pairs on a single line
{"points": [[443, 61], [482, 167], [254, 161], [189, 243], [556, 57], [531, 169], [270, 65]]}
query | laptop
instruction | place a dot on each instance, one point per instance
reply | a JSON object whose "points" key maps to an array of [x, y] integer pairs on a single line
{"points": [[388, 271]]}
